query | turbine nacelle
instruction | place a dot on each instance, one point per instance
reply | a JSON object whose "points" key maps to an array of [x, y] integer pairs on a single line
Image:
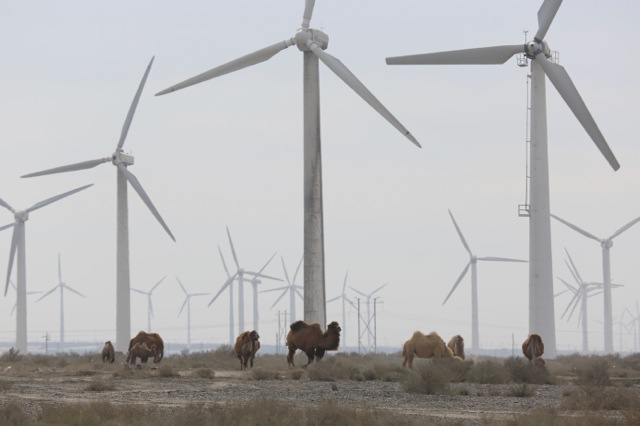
{"points": [[120, 157], [304, 36], [21, 216], [534, 47], [606, 244]]}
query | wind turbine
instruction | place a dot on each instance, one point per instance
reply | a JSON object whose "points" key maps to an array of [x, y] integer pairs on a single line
{"points": [[541, 303], [149, 304], [62, 286], [345, 300], [255, 281], [187, 303], [292, 288], [473, 260], [312, 43], [122, 161], [13, 309], [606, 244], [228, 283], [18, 242], [369, 318], [239, 274]]}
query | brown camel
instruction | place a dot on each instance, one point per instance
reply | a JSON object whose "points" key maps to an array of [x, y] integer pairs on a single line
{"points": [[310, 339], [108, 352], [426, 346], [142, 351], [456, 344], [149, 339], [247, 344], [533, 348]]}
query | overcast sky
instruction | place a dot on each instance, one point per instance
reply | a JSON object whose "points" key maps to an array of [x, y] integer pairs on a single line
{"points": [[228, 152]]}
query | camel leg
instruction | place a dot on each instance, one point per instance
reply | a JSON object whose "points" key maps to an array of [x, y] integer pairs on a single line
{"points": [[310, 357], [319, 354], [290, 357]]}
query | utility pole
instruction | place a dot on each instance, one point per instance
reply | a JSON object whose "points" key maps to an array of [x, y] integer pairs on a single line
{"points": [[46, 343]]}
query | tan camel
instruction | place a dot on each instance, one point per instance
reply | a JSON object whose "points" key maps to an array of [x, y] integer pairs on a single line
{"points": [[425, 346]]}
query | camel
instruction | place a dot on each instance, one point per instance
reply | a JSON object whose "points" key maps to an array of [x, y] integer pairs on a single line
{"points": [[456, 344], [533, 348], [142, 351], [247, 344], [426, 346], [150, 339], [309, 338], [108, 352]]}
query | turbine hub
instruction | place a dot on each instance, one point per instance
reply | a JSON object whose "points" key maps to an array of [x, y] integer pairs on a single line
{"points": [[315, 36], [120, 157], [606, 244], [534, 47], [21, 216]]}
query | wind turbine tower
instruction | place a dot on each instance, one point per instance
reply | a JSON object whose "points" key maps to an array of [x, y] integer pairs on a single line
{"points": [[187, 303], [345, 300], [18, 243], [541, 303], [312, 43], [255, 281], [149, 303]]}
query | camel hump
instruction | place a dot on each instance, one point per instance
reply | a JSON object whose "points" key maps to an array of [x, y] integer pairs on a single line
{"points": [[298, 325], [417, 334]]}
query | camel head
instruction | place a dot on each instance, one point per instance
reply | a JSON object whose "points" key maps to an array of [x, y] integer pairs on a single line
{"points": [[334, 327], [254, 335]]}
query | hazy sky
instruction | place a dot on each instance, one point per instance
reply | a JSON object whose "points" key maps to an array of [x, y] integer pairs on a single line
{"points": [[228, 152]]}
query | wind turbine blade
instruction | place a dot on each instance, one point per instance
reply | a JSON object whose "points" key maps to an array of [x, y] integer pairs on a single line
{"points": [[12, 254], [286, 275], [181, 286], [74, 291], [145, 198], [275, 289], [624, 228], [157, 284], [378, 289], [151, 308], [575, 304], [7, 206], [48, 293], [573, 301], [575, 228], [334, 298], [464, 242], [297, 270], [56, 198], [464, 271], [560, 293], [138, 291], [237, 64], [501, 259], [476, 56], [70, 168], [132, 108], [344, 286], [308, 11], [15, 305], [358, 291], [59, 270], [563, 84], [573, 289], [573, 269], [6, 226], [233, 250], [223, 262], [199, 294], [225, 285], [268, 261], [279, 298], [352, 81], [256, 274], [186, 299], [546, 13]]}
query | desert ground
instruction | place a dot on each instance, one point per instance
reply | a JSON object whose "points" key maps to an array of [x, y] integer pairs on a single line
{"points": [[372, 389]]}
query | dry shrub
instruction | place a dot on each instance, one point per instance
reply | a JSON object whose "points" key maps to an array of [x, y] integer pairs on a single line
{"points": [[166, 370], [12, 413], [428, 378], [521, 391], [260, 373], [12, 355], [99, 386], [595, 374], [95, 414], [204, 373], [5, 385], [488, 372], [330, 370], [523, 371], [296, 374], [551, 417], [593, 398]]}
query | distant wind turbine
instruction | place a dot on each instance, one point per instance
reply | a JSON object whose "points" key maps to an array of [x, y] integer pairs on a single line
{"points": [[606, 244], [312, 43], [29, 293], [62, 286], [187, 303], [228, 284], [292, 288], [18, 242], [541, 303], [473, 260], [149, 303], [255, 281], [345, 300], [122, 161]]}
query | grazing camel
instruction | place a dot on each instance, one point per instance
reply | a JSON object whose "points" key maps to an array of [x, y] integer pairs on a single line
{"points": [[108, 352], [456, 344], [150, 339], [309, 338], [247, 344], [426, 346], [142, 351], [533, 348]]}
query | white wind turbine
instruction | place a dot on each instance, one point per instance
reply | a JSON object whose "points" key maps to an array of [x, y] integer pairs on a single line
{"points": [[541, 303], [606, 244], [229, 284], [149, 304], [255, 281], [239, 274], [18, 242], [122, 161], [292, 288], [62, 286], [368, 297], [312, 43], [473, 260], [187, 303], [15, 305], [345, 300]]}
